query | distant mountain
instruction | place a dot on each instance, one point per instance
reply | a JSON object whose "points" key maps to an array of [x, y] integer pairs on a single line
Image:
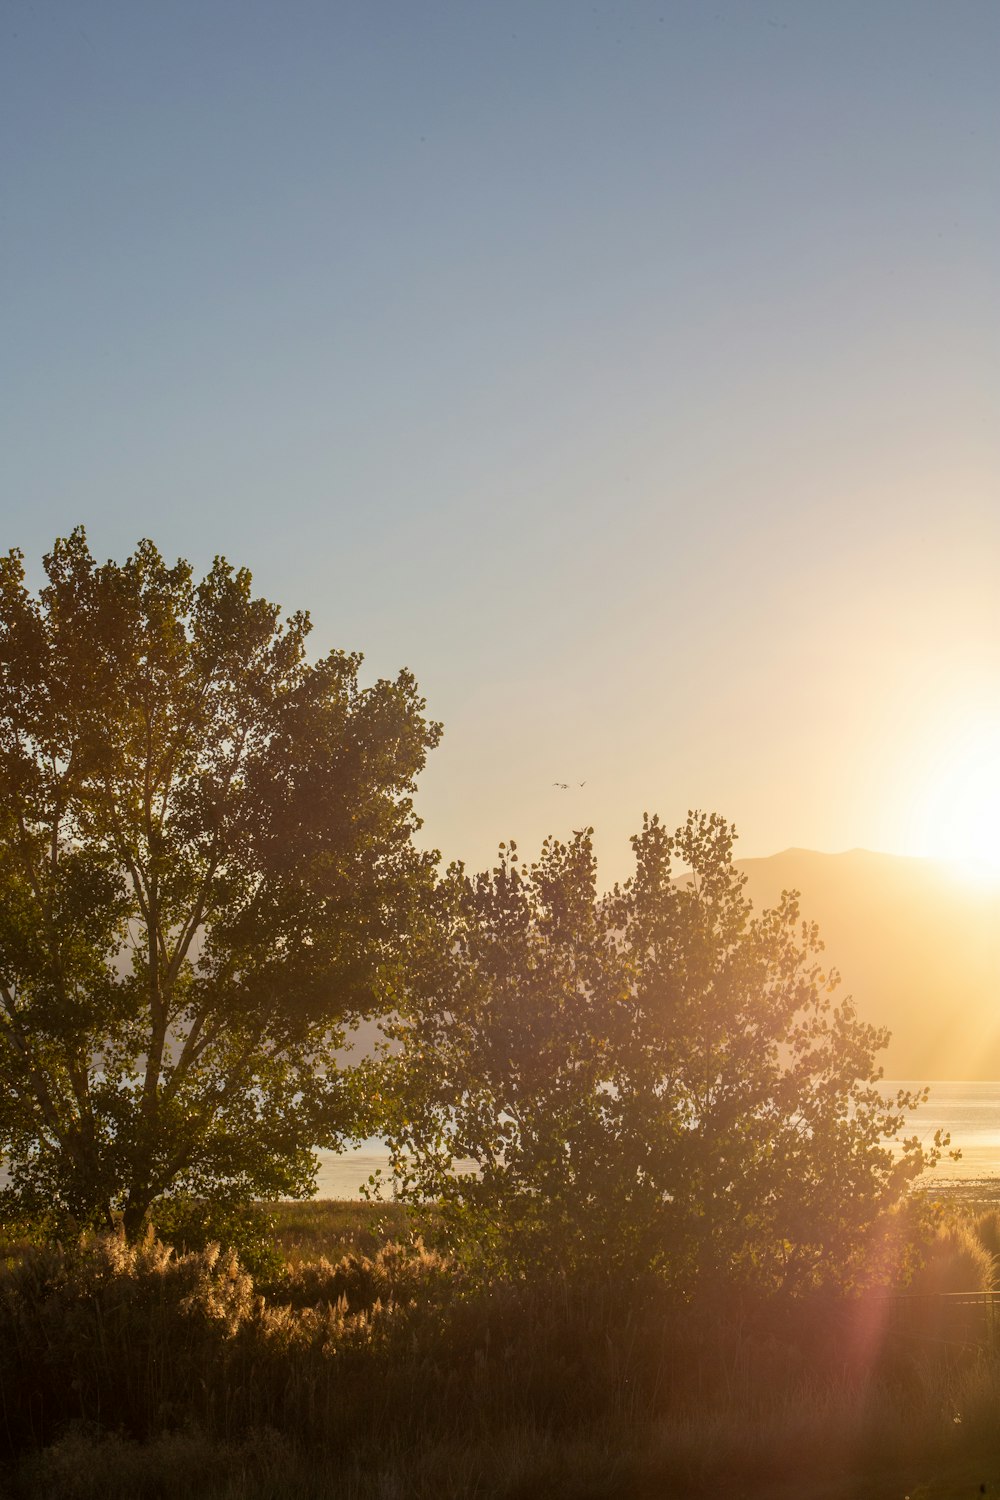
{"points": [[917, 944]]}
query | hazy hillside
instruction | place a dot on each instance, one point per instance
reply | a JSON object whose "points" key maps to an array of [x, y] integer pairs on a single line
{"points": [[917, 944]]}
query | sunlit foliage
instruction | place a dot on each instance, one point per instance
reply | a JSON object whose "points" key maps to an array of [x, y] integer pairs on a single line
{"points": [[206, 867], [658, 1078]]}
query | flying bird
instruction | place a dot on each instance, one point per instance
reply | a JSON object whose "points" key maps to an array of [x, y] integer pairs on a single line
{"points": [[562, 785]]}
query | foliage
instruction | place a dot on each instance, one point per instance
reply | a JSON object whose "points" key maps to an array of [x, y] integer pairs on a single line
{"points": [[189, 1223], [660, 1077], [206, 868]]}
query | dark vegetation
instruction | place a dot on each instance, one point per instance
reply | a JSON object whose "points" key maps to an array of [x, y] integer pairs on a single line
{"points": [[654, 1227], [126, 1369]]}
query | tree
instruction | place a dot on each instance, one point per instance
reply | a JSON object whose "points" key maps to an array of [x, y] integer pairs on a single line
{"points": [[206, 870], [654, 1079]]}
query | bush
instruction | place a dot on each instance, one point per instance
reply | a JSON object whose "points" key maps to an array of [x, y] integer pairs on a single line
{"points": [[956, 1261], [988, 1233], [192, 1223]]}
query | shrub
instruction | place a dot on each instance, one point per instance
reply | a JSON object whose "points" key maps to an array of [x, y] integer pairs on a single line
{"points": [[192, 1223], [956, 1261], [988, 1233]]}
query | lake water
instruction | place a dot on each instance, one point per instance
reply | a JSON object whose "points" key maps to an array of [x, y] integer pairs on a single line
{"points": [[970, 1111], [342, 1174]]}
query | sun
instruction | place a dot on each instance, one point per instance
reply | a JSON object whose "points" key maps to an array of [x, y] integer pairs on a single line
{"points": [[958, 818]]}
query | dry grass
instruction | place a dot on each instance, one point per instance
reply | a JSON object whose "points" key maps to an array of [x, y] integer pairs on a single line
{"points": [[132, 1371], [848, 1444], [957, 1260], [331, 1228]]}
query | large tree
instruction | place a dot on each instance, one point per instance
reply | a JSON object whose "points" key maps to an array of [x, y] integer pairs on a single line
{"points": [[658, 1078], [206, 870]]}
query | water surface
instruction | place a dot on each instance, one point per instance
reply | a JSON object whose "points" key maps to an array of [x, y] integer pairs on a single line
{"points": [[970, 1111]]}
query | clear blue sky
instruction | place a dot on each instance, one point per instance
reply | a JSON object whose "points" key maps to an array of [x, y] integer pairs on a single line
{"points": [[629, 371]]}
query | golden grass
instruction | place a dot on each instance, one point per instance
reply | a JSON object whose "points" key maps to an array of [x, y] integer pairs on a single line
{"points": [[332, 1228], [371, 1371]]}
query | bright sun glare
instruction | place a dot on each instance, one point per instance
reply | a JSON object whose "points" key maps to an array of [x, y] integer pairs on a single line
{"points": [[959, 815]]}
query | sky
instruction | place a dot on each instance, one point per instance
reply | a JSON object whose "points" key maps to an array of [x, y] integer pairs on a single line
{"points": [[630, 372]]}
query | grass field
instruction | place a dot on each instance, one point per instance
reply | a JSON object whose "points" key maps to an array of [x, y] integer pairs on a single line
{"points": [[332, 1228]]}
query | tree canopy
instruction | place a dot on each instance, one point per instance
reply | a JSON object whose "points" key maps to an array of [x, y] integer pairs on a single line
{"points": [[659, 1077], [206, 868]]}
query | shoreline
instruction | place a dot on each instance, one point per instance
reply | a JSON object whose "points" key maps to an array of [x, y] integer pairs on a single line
{"points": [[960, 1189]]}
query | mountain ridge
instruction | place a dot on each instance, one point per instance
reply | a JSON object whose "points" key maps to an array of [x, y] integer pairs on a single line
{"points": [[917, 946]]}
